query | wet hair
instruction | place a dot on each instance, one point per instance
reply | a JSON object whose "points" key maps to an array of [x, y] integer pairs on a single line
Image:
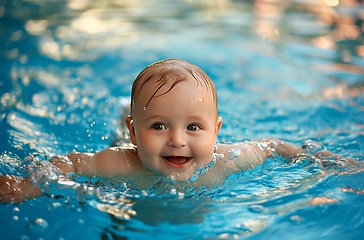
{"points": [[162, 71]]}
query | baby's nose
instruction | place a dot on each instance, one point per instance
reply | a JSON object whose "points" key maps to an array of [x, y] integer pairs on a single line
{"points": [[177, 139]]}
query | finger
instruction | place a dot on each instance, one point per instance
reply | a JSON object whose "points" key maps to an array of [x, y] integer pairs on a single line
{"points": [[9, 184], [10, 198]]}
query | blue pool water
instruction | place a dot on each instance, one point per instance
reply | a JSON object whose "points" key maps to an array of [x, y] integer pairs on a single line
{"points": [[289, 70]]}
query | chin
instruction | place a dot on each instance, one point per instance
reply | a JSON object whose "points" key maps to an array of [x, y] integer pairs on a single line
{"points": [[184, 177], [181, 175]]}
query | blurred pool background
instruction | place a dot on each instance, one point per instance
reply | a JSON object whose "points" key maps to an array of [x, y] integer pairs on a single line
{"points": [[293, 70]]}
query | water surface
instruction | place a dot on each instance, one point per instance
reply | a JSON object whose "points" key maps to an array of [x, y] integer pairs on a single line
{"points": [[292, 71]]}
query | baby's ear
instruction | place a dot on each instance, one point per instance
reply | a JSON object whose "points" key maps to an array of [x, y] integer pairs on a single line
{"points": [[218, 125], [129, 123]]}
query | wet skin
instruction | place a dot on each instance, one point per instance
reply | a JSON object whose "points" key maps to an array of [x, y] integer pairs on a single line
{"points": [[176, 131]]}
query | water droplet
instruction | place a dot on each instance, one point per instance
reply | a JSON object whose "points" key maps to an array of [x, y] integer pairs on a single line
{"points": [[213, 160], [170, 179], [233, 194], [38, 225], [181, 195], [296, 219], [233, 154], [56, 204], [205, 170], [220, 157], [145, 108], [257, 208], [193, 177]]}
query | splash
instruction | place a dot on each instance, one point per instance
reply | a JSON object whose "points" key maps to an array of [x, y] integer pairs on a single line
{"points": [[204, 169]]}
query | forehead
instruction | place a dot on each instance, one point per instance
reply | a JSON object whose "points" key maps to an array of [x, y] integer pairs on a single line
{"points": [[184, 100], [185, 86], [164, 79]]}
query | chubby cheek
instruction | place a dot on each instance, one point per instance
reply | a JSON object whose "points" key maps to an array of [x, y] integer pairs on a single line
{"points": [[208, 156], [204, 151], [148, 156], [148, 147], [145, 145]]}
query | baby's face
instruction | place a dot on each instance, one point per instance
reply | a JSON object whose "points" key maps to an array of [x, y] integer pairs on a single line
{"points": [[177, 131]]}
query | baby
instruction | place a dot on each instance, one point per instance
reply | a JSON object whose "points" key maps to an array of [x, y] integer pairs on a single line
{"points": [[173, 125]]}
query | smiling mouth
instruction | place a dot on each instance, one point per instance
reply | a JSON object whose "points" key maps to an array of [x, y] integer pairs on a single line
{"points": [[177, 161]]}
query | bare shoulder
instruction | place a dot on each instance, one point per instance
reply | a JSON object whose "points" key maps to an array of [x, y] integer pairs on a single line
{"points": [[119, 160], [110, 162], [225, 148], [242, 155]]}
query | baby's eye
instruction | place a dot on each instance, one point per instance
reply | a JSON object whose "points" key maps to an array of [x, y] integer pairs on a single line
{"points": [[158, 126], [193, 127]]}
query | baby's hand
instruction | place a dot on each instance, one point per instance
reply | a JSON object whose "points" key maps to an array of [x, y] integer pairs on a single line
{"points": [[15, 189]]}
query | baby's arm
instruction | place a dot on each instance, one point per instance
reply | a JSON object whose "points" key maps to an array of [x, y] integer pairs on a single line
{"points": [[243, 156], [108, 162], [312, 150], [17, 189], [254, 153]]}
